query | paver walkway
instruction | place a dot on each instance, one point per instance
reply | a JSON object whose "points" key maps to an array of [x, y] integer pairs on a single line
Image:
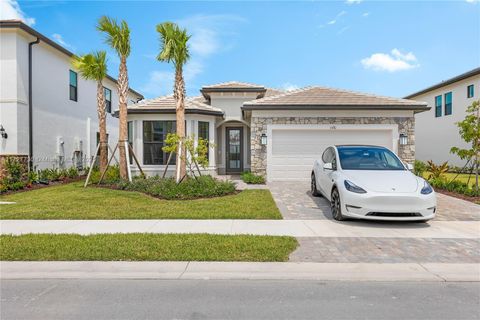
{"points": [[387, 250], [295, 202]]}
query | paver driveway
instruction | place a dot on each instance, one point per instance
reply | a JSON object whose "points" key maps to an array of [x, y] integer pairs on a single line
{"points": [[295, 202]]}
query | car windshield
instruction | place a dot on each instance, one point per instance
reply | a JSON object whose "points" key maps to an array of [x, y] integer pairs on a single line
{"points": [[368, 158]]}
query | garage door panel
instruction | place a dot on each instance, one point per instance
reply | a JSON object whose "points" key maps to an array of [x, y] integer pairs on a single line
{"points": [[303, 160], [294, 150]]}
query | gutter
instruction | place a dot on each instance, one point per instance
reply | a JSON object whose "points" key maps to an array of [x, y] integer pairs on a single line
{"points": [[30, 102], [171, 111], [419, 107]]}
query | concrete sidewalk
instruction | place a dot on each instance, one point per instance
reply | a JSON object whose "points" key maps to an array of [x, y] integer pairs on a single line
{"points": [[296, 228], [436, 272]]}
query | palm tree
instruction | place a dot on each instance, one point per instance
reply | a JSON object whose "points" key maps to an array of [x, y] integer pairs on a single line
{"points": [[93, 66], [174, 48], [117, 36]]}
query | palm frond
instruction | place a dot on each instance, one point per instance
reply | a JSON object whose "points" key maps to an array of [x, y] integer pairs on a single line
{"points": [[92, 66], [173, 44], [117, 36]]}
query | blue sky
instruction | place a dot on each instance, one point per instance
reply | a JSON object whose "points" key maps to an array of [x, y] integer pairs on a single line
{"points": [[389, 48]]}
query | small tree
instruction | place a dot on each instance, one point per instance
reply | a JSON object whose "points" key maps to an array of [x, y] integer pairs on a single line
{"points": [[196, 153], [469, 130]]}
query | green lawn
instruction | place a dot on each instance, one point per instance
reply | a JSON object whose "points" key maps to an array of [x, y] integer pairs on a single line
{"points": [[72, 201], [461, 177], [145, 247]]}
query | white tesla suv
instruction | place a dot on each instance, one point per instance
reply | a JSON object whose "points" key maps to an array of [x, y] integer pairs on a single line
{"points": [[370, 182]]}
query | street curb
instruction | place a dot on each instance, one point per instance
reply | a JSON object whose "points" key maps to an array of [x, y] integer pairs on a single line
{"points": [[177, 270]]}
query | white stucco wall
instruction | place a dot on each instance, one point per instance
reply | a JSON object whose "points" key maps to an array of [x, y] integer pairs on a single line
{"points": [[435, 136], [55, 116], [191, 129]]}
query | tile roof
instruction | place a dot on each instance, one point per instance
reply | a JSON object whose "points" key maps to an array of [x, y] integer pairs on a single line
{"points": [[234, 85], [273, 92], [329, 98], [166, 104]]}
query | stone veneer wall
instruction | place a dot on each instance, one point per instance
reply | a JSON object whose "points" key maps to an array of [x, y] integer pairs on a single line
{"points": [[259, 126]]}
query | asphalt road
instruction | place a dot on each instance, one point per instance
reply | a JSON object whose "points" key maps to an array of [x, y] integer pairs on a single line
{"points": [[215, 299]]}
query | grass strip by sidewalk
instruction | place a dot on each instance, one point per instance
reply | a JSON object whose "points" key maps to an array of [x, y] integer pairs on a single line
{"points": [[145, 247], [72, 201]]}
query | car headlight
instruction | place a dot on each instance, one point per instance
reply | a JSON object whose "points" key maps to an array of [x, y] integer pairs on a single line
{"points": [[427, 188], [352, 187]]}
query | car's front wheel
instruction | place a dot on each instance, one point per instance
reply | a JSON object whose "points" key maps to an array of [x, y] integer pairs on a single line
{"points": [[313, 186], [336, 206]]}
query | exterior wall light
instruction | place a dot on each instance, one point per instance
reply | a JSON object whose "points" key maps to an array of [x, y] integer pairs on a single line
{"points": [[263, 139], [3, 133], [403, 139]]}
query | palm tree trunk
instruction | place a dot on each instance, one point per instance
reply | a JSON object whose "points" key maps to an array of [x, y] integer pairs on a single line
{"points": [[102, 126], [179, 95], [122, 96]]}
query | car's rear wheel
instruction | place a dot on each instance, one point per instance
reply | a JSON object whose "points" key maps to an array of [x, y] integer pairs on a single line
{"points": [[313, 186], [336, 206]]}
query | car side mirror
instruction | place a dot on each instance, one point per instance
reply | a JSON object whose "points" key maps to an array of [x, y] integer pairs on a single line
{"points": [[328, 166], [409, 167]]}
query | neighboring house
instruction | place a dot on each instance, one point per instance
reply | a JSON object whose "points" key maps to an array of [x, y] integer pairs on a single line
{"points": [[273, 133], [436, 130], [62, 105]]}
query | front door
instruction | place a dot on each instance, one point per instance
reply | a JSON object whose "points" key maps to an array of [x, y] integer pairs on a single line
{"points": [[234, 146]]}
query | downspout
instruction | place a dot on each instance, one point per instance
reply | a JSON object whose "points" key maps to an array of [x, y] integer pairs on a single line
{"points": [[30, 109]]}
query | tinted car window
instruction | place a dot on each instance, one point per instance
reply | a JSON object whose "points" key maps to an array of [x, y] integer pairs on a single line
{"points": [[368, 158]]}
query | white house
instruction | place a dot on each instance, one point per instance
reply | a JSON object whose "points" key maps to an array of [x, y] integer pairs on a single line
{"points": [[273, 133], [436, 129], [47, 111]]}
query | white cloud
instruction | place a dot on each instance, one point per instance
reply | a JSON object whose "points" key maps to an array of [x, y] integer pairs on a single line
{"points": [[366, 14], [10, 10], [210, 33], [287, 86], [395, 61], [161, 82], [59, 39], [473, 1], [341, 13], [353, 1]]}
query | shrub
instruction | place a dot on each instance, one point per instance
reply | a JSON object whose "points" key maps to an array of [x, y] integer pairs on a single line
{"points": [[190, 188], [49, 175], [15, 175], [437, 171], [72, 173], [453, 186], [111, 176], [252, 178], [419, 167]]}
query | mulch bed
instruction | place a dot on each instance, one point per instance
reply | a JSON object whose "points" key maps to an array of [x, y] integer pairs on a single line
{"points": [[475, 200], [36, 186]]}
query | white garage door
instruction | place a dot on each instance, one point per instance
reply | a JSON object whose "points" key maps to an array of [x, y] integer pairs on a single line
{"points": [[292, 150]]}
